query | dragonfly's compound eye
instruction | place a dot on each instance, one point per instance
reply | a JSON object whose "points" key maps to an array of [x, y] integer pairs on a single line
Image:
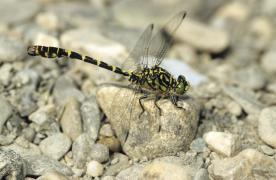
{"points": [[182, 85]]}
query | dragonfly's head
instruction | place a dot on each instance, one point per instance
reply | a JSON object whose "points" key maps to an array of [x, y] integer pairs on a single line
{"points": [[182, 85]]}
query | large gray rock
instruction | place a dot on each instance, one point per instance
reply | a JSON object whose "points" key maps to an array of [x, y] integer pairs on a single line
{"points": [[150, 134]]}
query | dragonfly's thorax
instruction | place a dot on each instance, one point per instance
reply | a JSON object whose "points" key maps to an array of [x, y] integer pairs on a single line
{"points": [[154, 79]]}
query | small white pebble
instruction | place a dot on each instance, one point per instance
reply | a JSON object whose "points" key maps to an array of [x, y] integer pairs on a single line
{"points": [[94, 169]]}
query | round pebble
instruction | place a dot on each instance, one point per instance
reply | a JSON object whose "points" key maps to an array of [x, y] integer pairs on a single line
{"points": [[94, 169]]}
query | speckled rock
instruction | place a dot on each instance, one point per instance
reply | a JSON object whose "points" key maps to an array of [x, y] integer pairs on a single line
{"points": [[267, 126], [55, 146], [12, 165], [223, 143], [150, 135]]}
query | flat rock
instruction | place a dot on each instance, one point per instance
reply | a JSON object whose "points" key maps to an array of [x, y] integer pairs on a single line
{"points": [[39, 165], [223, 143], [5, 111], [55, 146], [150, 135], [248, 164], [71, 123], [252, 77], [267, 126], [11, 49], [202, 36], [245, 98]]}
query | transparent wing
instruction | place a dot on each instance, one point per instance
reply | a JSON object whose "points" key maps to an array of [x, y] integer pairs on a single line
{"points": [[139, 53], [162, 40]]}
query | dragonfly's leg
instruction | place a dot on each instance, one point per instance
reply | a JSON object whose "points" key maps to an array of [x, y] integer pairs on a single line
{"points": [[141, 105], [157, 98], [174, 100]]}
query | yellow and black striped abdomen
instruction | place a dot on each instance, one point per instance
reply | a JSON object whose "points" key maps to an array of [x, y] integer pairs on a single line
{"points": [[55, 52]]}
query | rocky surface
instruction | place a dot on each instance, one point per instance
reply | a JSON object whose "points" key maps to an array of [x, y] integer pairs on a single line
{"points": [[60, 120]]}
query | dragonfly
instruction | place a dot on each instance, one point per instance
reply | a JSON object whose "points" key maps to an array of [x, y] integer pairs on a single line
{"points": [[142, 67]]}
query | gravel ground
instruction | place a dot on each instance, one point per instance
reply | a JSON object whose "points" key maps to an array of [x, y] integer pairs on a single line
{"points": [[60, 119]]}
